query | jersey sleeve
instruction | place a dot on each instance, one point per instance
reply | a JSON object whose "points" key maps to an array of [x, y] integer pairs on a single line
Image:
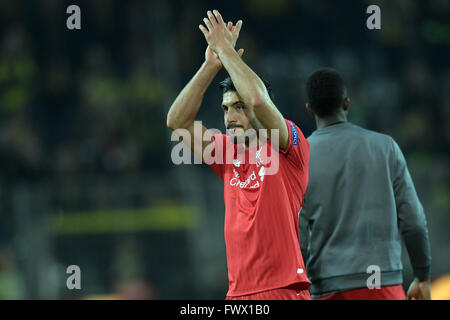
{"points": [[297, 149], [411, 217]]}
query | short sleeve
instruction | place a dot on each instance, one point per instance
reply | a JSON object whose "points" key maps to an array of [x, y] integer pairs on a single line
{"points": [[297, 149]]}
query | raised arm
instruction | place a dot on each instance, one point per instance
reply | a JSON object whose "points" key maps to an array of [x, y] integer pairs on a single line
{"points": [[247, 83], [185, 108]]}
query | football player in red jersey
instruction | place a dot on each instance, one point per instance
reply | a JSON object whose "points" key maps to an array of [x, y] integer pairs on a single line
{"points": [[261, 205]]}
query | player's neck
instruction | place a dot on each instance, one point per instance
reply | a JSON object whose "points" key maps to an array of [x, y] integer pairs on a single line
{"points": [[251, 143], [326, 121]]}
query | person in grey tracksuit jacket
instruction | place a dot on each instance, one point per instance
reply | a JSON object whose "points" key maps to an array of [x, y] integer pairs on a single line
{"points": [[359, 203]]}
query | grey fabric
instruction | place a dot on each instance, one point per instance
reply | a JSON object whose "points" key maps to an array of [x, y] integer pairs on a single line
{"points": [[359, 203]]}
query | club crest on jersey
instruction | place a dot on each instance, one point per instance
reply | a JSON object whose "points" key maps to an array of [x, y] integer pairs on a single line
{"points": [[258, 157], [261, 173]]}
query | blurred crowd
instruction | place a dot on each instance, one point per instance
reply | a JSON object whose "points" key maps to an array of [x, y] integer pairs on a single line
{"points": [[94, 101]]}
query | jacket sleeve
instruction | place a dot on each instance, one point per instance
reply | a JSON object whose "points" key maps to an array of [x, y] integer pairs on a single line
{"points": [[304, 230], [411, 217]]}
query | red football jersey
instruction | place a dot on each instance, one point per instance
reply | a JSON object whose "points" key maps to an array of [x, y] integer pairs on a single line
{"points": [[261, 213]]}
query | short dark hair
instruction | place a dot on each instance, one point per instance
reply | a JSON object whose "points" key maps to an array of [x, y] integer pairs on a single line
{"points": [[228, 85], [326, 91]]}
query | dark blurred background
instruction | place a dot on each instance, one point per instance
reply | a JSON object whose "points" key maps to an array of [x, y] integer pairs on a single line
{"points": [[86, 176]]}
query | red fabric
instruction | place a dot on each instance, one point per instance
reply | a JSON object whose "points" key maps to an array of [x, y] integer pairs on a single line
{"points": [[384, 293], [276, 294], [261, 214]]}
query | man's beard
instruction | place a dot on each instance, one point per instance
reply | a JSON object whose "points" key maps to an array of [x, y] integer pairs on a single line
{"points": [[244, 138]]}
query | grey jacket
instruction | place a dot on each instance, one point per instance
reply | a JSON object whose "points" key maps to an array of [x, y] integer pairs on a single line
{"points": [[359, 202]]}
